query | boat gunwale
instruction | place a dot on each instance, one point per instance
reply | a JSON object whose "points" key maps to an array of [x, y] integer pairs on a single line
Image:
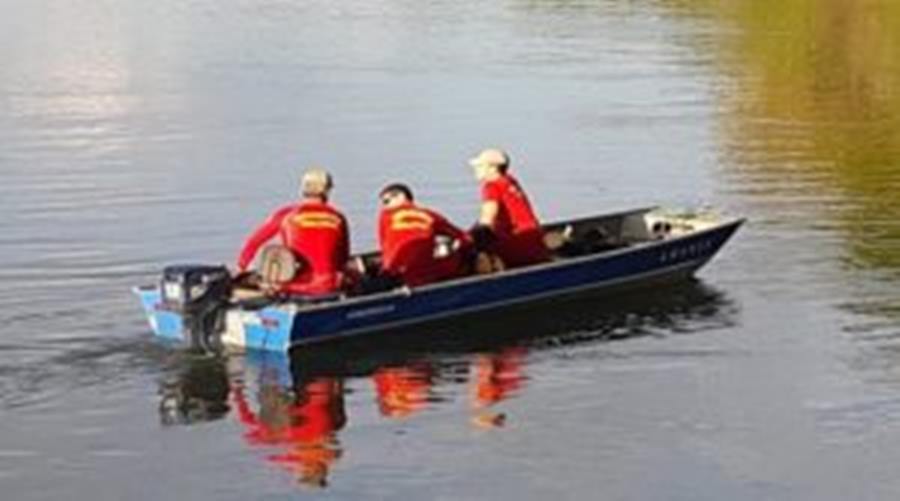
{"points": [[405, 291], [519, 300]]}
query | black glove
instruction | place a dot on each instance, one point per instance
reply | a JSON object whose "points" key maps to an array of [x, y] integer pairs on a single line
{"points": [[483, 237]]}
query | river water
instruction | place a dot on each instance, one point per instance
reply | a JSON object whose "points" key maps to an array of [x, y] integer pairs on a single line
{"points": [[138, 134]]}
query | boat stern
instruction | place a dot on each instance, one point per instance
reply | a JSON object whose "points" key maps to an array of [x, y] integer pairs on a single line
{"points": [[165, 323], [267, 328]]}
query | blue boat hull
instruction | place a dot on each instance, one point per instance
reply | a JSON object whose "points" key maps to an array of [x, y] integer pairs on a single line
{"points": [[282, 326]]}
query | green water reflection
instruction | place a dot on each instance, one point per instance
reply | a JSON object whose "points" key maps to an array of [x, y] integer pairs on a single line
{"points": [[811, 92]]}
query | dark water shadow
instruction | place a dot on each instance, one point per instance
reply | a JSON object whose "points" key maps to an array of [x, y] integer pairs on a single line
{"points": [[292, 408], [684, 308], [196, 387], [90, 362]]}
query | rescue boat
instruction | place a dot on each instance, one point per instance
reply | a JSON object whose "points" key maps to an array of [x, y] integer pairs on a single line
{"points": [[592, 255]]}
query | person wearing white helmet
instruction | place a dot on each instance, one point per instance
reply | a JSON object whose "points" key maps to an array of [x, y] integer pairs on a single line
{"points": [[314, 231], [507, 226]]}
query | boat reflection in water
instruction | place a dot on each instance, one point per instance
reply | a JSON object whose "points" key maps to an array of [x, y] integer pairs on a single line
{"points": [[295, 421], [301, 422], [293, 408]]}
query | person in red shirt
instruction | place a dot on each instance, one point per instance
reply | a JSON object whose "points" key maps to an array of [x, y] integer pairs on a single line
{"points": [[314, 231], [409, 236], [506, 214]]}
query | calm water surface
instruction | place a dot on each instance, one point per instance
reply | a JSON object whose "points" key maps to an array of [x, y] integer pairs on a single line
{"points": [[135, 134]]}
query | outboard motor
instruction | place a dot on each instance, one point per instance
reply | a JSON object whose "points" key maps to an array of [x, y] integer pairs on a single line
{"points": [[199, 293]]}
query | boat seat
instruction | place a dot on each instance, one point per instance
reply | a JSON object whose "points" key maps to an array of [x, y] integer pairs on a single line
{"points": [[246, 293], [571, 243], [279, 265]]}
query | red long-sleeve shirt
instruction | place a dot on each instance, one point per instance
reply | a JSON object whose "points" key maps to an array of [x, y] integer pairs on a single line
{"points": [[315, 232], [520, 240], [407, 236]]}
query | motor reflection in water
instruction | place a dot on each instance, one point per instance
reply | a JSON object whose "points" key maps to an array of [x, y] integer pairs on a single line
{"points": [[292, 409], [199, 394]]}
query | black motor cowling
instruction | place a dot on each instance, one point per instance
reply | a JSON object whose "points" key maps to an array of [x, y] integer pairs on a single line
{"points": [[199, 293]]}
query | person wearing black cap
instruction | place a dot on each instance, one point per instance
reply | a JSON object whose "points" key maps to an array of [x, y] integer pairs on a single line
{"points": [[410, 238]]}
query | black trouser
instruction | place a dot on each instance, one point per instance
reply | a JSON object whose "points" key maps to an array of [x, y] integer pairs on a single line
{"points": [[370, 284]]}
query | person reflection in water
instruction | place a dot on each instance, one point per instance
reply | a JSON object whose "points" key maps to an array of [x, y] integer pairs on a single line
{"points": [[497, 376], [303, 425], [403, 391]]}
